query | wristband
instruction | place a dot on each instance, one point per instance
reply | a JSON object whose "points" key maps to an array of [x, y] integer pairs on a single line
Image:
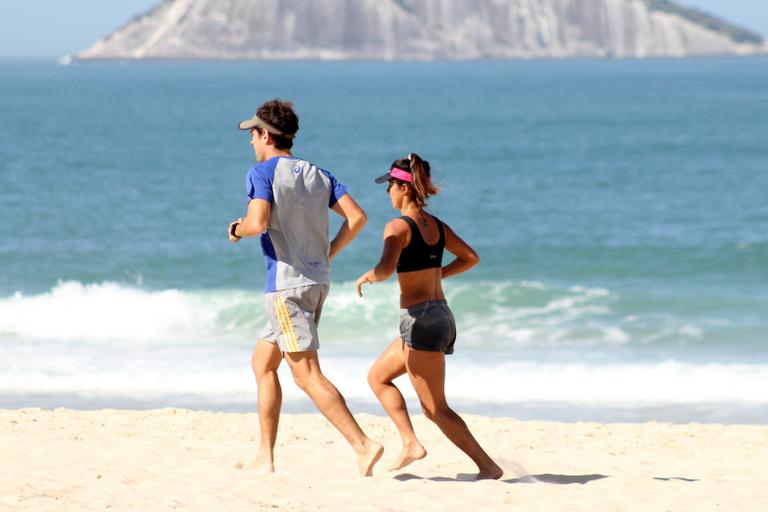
{"points": [[233, 229]]}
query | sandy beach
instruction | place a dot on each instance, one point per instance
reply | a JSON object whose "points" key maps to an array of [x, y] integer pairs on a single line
{"points": [[187, 460]]}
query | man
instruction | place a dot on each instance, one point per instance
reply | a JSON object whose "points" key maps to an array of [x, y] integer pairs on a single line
{"points": [[288, 209]]}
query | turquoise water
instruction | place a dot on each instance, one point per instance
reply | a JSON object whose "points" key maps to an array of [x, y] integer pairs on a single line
{"points": [[619, 209]]}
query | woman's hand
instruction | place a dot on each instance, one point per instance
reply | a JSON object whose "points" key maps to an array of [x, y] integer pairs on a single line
{"points": [[360, 282]]}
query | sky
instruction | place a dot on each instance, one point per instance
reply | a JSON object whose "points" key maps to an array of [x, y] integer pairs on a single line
{"points": [[52, 28]]}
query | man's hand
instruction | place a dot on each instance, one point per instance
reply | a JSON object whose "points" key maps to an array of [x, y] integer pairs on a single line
{"points": [[233, 239]]}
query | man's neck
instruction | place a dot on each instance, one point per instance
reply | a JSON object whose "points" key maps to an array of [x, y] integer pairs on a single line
{"points": [[276, 152]]}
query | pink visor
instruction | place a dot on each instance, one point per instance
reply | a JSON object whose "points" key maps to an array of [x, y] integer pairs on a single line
{"points": [[396, 173]]}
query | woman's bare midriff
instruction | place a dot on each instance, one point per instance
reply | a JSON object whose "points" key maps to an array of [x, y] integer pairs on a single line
{"points": [[420, 286]]}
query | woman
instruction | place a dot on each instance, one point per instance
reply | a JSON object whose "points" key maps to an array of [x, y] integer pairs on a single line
{"points": [[413, 246]]}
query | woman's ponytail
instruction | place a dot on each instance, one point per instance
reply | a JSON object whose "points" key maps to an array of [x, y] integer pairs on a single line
{"points": [[423, 187]]}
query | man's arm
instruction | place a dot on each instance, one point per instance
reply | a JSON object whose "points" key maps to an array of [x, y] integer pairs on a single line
{"points": [[354, 220], [255, 222]]}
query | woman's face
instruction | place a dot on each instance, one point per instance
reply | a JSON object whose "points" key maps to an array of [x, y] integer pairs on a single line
{"points": [[397, 191]]}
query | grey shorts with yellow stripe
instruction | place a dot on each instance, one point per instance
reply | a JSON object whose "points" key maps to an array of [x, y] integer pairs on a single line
{"points": [[292, 317]]}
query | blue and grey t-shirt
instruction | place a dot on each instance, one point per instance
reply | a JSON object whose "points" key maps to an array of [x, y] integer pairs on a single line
{"points": [[296, 243]]}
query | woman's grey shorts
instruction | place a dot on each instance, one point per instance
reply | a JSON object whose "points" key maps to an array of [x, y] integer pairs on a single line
{"points": [[428, 326]]}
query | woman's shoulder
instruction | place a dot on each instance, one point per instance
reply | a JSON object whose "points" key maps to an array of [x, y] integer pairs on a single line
{"points": [[440, 224], [398, 224]]}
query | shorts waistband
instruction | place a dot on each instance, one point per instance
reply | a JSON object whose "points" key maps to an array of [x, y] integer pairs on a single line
{"points": [[425, 304]]}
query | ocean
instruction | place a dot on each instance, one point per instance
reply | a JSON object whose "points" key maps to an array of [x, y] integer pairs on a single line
{"points": [[620, 210]]}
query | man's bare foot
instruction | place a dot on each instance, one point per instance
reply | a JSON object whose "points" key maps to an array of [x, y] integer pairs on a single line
{"points": [[491, 473], [261, 464], [367, 459], [410, 453]]}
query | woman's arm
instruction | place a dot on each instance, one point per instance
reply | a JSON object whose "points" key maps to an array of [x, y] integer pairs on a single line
{"points": [[395, 238], [466, 257]]}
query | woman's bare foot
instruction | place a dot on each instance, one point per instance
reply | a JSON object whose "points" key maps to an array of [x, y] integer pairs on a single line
{"points": [[367, 459], [490, 473], [410, 453]]}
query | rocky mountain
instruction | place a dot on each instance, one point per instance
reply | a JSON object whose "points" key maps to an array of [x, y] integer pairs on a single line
{"points": [[421, 30]]}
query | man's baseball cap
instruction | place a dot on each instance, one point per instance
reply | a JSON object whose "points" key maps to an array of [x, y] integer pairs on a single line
{"points": [[257, 122]]}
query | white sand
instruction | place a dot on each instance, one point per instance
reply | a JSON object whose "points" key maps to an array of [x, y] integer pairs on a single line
{"points": [[177, 459]]}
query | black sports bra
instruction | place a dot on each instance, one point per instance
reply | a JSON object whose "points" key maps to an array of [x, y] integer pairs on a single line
{"points": [[417, 255]]}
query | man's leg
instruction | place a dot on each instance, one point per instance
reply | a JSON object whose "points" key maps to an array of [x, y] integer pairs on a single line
{"points": [[305, 368], [265, 361]]}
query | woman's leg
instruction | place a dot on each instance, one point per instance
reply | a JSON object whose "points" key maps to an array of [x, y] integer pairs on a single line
{"points": [[389, 366], [427, 373]]}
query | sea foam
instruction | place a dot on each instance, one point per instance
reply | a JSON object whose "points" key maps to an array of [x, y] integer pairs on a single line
{"points": [[504, 315], [532, 343]]}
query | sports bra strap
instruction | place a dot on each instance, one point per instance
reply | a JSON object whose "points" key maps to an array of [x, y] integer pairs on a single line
{"points": [[415, 227], [410, 222]]}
